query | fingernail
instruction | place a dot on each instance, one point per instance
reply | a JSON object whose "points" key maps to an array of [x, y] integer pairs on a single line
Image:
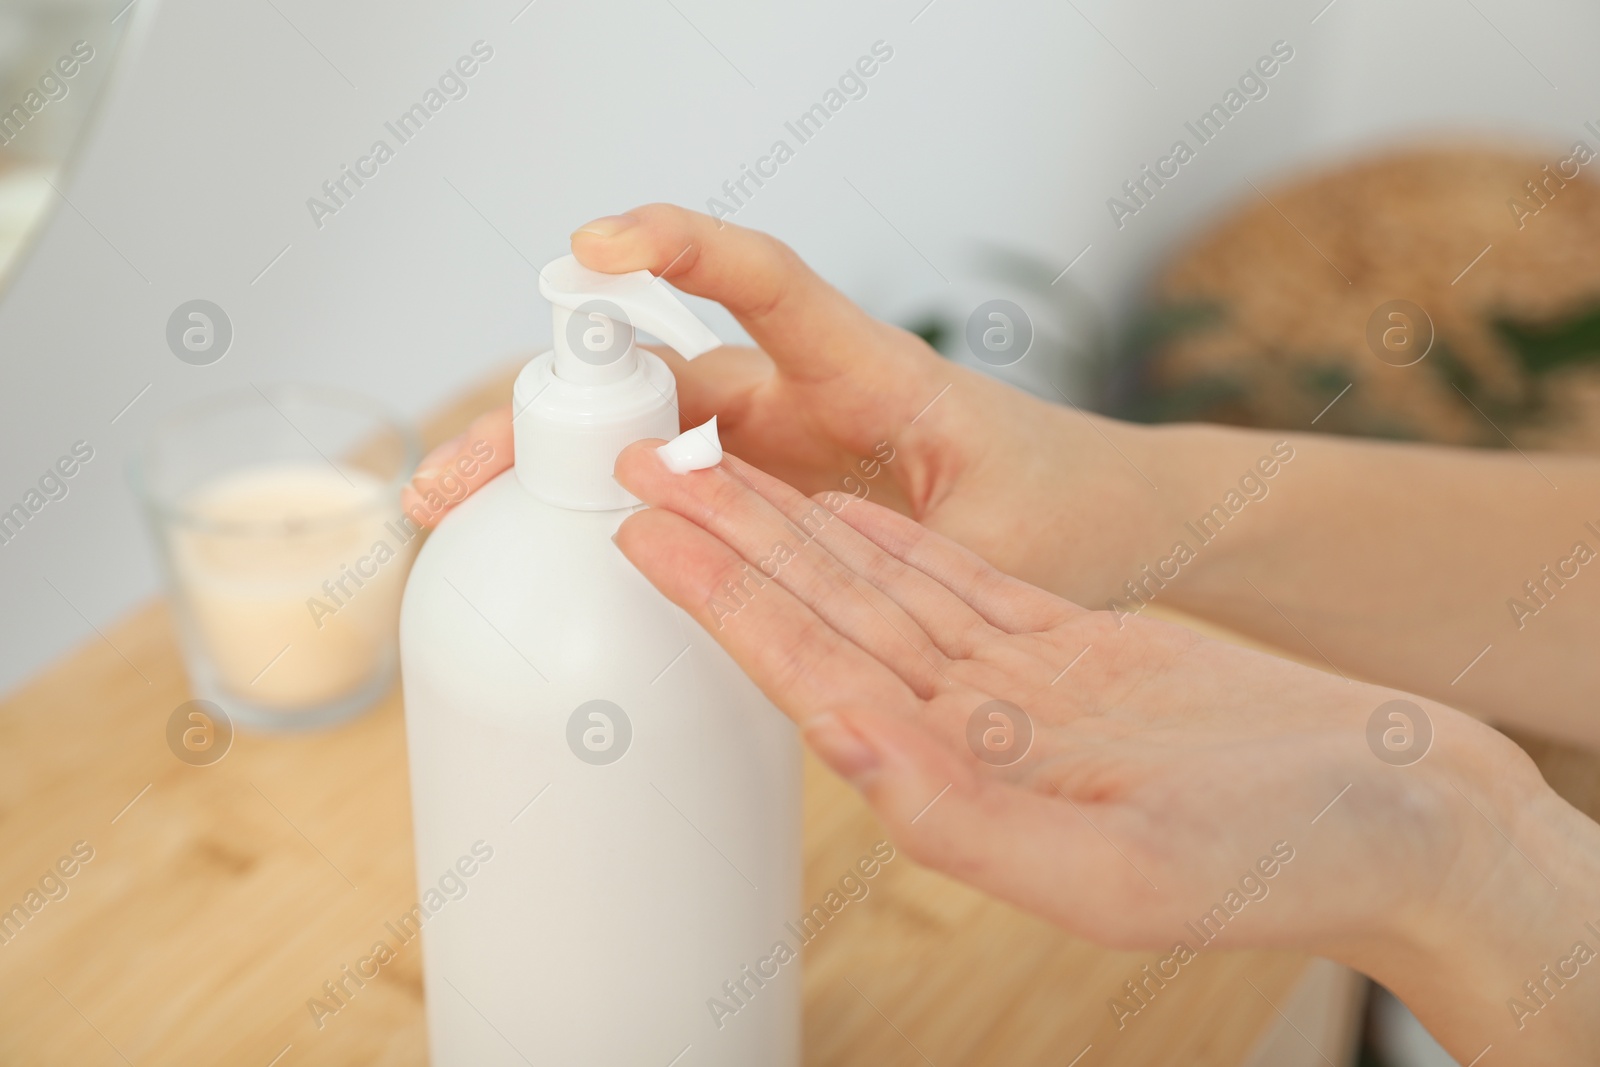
{"points": [[841, 748], [609, 226], [431, 463]]}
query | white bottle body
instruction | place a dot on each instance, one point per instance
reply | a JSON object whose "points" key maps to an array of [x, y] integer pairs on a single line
{"points": [[618, 903]]}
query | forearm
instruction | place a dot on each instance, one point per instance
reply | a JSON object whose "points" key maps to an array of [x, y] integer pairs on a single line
{"points": [[1398, 563], [1395, 563]]}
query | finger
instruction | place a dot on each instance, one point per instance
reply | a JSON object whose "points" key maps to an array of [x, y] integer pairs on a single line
{"points": [[458, 468], [788, 554], [810, 329], [804, 665], [1032, 850], [952, 624], [1012, 605]]}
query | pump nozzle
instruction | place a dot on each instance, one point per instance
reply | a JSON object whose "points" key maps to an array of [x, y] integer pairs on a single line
{"points": [[578, 406], [594, 316]]}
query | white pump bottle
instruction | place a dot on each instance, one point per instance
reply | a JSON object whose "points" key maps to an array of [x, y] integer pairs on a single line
{"points": [[637, 797]]}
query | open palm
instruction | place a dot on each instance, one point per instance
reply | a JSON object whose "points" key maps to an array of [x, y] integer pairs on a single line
{"points": [[1120, 779]]}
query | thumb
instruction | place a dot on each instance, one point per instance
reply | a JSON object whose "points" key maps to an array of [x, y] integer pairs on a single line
{"points": [[810, 329]]}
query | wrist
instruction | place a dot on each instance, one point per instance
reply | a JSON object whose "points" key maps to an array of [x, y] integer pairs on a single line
{"points": [[1106, 506], [1035, 488], [1072, 502], [1483, 947], [1201, 504]]}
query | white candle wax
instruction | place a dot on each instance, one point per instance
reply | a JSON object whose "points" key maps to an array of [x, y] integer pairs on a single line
{"points": [[292, 574]]}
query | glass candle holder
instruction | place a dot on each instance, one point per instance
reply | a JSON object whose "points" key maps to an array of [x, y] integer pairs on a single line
{"points": [[277, 516]]}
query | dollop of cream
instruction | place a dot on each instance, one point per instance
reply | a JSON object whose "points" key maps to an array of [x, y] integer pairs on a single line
{"points": [[694, 449]]}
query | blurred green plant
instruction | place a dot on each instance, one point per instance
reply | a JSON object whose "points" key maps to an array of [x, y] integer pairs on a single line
{"points": [[1261, 387], [1548, 346]]}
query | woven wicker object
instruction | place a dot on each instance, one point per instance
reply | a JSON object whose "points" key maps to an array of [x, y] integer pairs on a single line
{"points": [[1265, 319]]}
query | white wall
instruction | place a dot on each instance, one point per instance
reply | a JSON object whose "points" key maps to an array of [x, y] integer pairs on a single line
{"points": [[1007, 122]]}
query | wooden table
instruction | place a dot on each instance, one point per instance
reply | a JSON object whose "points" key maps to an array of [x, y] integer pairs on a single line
{"points": [[220, 898]]}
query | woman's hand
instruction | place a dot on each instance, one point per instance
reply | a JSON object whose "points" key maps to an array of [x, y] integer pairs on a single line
{"points": [[831, 392], [1298, 554], [1134, 783]]}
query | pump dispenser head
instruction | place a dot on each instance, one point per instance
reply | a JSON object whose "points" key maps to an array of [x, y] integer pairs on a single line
{"points": [[593, 316], [579, 405]]}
